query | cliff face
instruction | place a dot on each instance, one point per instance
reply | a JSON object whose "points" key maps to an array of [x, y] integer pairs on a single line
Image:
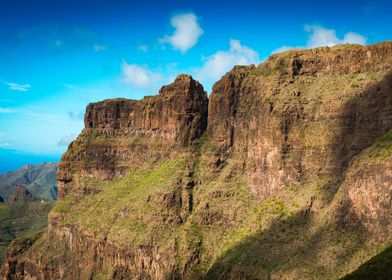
{"points": [[302, 115], [121, 135], [290, 178]]}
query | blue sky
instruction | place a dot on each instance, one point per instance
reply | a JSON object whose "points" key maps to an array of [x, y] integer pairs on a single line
{"points": [[58, 56]]}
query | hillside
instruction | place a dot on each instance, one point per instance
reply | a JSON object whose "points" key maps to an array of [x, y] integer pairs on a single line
{"points": [[40, 180], [284, 172], [379, 267], [22, 217]]}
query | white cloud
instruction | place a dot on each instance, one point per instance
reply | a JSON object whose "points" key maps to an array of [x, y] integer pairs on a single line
{"points": [[66, 140], [18, 87], [138, 76], [100, 48], [187, 32], [354, 38], [142, 48], [320, 37], [222, 61], [5, 110]]}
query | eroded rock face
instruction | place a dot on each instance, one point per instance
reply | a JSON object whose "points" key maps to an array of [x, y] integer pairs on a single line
{"points": [[367, 191], [121, 135], [302, 115], [286, 155], [77, 245], [178, 114]]}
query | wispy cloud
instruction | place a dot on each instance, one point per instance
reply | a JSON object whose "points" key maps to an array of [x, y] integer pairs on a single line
{"points": [[5, 145], [222, 61], [66, 140], [142, 48], [100, 48], [76, 115], [138, 75], [186, 34], [5, 110], [324, 37], [18, 87]]}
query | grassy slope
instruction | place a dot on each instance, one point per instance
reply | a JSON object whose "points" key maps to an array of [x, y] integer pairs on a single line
{"points": [[21, 220], [377, 268], [228, 228]]}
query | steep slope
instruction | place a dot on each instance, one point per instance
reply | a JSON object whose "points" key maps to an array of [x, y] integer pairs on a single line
{"points": [[23, 216], [379, 267], [40, 180], [286, 176]]}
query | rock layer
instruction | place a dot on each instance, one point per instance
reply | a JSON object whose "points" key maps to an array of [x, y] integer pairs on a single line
{"points": [[121, 135], [302, 115], [290, 181]]}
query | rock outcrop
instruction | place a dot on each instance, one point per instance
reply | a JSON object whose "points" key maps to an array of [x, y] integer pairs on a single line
{"points": [[284, 173], [302, 115], [22, 195], [121, 135]]}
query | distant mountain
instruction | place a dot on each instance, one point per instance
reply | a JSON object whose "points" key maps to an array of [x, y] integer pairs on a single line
{"points": [[11, 160], [39, 179]]}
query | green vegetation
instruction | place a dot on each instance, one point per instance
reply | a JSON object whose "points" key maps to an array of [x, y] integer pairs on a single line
{"points": [[20, 221], [5, 211], [382, 148], [377, 268], [227, 227], [124, 209]]}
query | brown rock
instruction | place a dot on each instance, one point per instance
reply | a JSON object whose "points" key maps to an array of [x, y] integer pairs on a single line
{"points": [[286, 139], [21, 195], [121, 135], [300, 119]]}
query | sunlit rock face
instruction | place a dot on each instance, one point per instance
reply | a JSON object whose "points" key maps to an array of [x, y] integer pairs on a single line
{"points": [[121, 135], [283, 173], [302, 115]]}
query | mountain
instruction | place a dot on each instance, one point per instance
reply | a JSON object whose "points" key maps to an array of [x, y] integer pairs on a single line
{"points": [[284, 172], [23, 216], [40, 180]]}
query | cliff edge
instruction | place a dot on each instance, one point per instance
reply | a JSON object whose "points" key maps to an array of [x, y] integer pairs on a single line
{"points": [[283, 173]]}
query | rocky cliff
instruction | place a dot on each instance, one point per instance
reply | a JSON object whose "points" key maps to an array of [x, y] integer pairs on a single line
{"points": [[121, 135], [284, 173]]}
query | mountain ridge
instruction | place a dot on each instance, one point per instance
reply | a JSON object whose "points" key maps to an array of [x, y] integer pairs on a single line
{"points": [[40, 180], [267, 183]]}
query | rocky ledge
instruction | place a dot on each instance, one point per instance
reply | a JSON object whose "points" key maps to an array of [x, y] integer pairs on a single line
{"points": [[284, 173]]}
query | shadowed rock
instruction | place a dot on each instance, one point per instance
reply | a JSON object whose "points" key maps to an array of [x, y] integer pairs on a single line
{"points": [[273, 190]]}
